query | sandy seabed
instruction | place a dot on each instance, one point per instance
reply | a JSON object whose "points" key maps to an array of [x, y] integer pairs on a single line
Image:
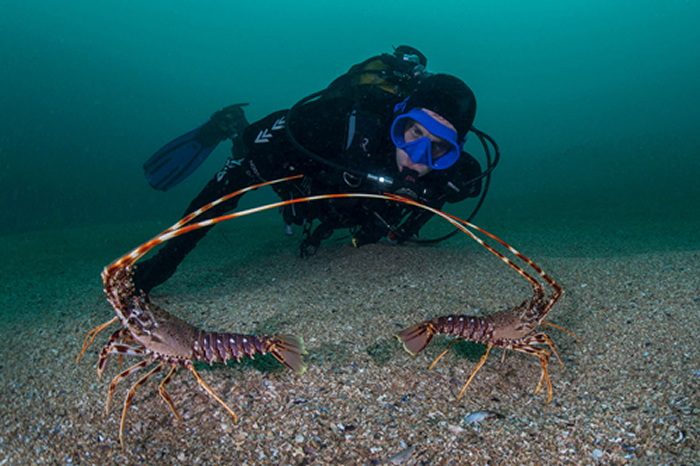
{"points": [[627, 394]]}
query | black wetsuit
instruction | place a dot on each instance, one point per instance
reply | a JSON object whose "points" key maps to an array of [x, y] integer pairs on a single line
{"points": [[265, 152]]}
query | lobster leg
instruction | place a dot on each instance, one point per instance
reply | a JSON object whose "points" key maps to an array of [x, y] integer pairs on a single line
{"points": [[130, 396], [121, 350], [543, 354], [544, 339], [444, 352], [203, 384], [123, 375], [104, 353], [114, 347], [476, 369], [164, 394], [94, 332], [127, 338]]}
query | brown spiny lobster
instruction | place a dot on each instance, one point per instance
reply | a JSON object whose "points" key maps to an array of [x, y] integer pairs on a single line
{"points": [[164, 340], [514, 329]]}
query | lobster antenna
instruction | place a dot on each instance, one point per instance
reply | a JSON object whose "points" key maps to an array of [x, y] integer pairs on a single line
{"points": [[184, 226], [131, 258]]}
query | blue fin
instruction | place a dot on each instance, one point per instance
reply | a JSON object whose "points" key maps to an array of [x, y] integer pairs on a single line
{"points": [[176, 160]]}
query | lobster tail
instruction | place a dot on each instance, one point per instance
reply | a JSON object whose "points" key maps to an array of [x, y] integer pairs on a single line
{"points": [[221, 347], [289, 349], [417, 337]]}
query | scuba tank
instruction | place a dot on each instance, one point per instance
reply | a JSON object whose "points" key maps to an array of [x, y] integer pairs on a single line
{"points": [[375, 86]]}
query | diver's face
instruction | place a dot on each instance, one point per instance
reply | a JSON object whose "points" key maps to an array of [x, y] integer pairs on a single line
{"points": [[414, 131]]}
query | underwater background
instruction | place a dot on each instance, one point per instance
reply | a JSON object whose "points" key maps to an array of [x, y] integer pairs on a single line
{"points": [[595, 106], [594, 103]]}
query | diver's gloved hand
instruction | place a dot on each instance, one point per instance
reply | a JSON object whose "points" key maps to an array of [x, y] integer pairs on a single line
{"points": [[226, 123], [407, 184], [230, 120]]}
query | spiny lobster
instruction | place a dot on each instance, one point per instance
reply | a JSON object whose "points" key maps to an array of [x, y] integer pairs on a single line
{"points": [[512, 329], [168, 341]]}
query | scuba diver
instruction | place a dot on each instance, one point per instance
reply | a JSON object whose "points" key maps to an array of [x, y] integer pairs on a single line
{"points": [[387, 125]]}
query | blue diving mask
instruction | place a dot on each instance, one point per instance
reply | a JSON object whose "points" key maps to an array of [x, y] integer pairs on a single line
{"points": [[438, 155]]}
